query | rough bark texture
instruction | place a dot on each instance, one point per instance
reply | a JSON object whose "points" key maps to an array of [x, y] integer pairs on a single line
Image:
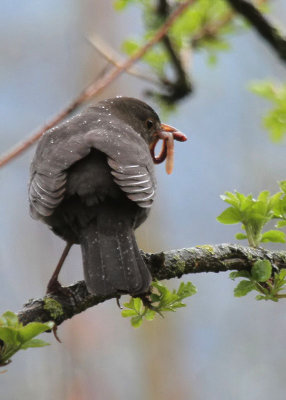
{"points": [[164, 265]]}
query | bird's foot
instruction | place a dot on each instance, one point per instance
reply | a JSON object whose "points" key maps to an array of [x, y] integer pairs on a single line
{"points": [[55, 288]]}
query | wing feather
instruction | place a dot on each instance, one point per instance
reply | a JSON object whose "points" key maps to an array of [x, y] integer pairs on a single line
{"points": [[135, 181], [127, 154]]}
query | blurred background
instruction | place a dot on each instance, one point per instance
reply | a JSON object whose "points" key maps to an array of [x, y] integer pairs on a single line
{"points": [[218, 347]]}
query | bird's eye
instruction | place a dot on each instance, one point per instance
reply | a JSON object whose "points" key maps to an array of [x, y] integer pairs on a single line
{"points": [[149, 123]]}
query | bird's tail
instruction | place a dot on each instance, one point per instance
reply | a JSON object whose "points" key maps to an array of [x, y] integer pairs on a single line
{"points": [[111, 258]]}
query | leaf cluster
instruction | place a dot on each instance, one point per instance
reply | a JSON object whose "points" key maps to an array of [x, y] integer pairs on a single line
{"points": [[275, 120], [14, 336], [161, 300], [204, 25], [254, 214], [262, 280]]}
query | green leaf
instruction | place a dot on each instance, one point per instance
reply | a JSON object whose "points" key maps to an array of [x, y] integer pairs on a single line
{"points": [[243, 288], [229, 216], [275, 119], [156, 57], [34, 343], [130, 304], [155, 297], [9, 336], [9, 319], [120, 5], [282, 274], [260, 297], [186, 290], [230, 198], [264, 89], [33, 329], [254, 214], [128, 313], [261, 270], [273, 236], [281, 224], [239, 274], [16, 336], [160, 287], [282, 185], [150, 314], [275, 199], [263, 196], [130, 46], [179, 304], [136, 321], [241, 236], [164, 300], [138, 305]]}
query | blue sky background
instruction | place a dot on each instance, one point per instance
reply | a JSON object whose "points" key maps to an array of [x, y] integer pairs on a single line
{"points": [[219, 347]]}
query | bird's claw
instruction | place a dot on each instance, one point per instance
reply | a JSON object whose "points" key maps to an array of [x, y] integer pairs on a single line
{"points": [[55, 332], [118, 302]]}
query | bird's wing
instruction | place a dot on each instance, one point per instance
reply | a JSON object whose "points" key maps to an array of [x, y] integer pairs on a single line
{"points": [[62, 146], [58, 149], [135, 180], [130, 161]]}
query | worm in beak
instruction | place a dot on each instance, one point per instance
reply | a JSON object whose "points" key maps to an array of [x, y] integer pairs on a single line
{"points": [[168, 134]]}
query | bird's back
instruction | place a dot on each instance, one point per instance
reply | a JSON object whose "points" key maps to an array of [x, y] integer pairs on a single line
{"points": [[90, 189]]}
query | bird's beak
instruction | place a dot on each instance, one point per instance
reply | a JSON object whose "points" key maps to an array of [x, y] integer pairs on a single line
{"points": [[168, 134]]}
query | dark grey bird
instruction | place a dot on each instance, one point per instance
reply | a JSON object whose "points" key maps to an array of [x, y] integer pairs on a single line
{"points": [[93, 182]]}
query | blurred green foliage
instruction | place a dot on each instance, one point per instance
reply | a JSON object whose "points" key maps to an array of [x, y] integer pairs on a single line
{"points": [[275, 120], [14, 336], [204, 25]]}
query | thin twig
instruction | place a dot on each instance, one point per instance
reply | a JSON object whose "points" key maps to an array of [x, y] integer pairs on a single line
{"points": [[98, 86], [111, 56]]}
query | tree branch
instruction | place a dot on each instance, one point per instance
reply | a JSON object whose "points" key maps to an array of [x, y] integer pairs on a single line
{"points": [[181, 86], [164, 265], [98, 86], [261, 24], [111, 56]]}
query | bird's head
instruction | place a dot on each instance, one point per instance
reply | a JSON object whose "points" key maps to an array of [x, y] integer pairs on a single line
{"points": [[146, 122]]}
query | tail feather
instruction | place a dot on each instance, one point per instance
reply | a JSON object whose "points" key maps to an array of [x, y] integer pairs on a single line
{"points": [[111, 258]]}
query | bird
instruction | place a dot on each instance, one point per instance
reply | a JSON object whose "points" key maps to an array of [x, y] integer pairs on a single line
{"points": [[92, 181]]}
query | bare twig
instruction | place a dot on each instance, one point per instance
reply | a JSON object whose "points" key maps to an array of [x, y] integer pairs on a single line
{"points": [[111, 56], [99, 85], [164, 265], [262, 25]]}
